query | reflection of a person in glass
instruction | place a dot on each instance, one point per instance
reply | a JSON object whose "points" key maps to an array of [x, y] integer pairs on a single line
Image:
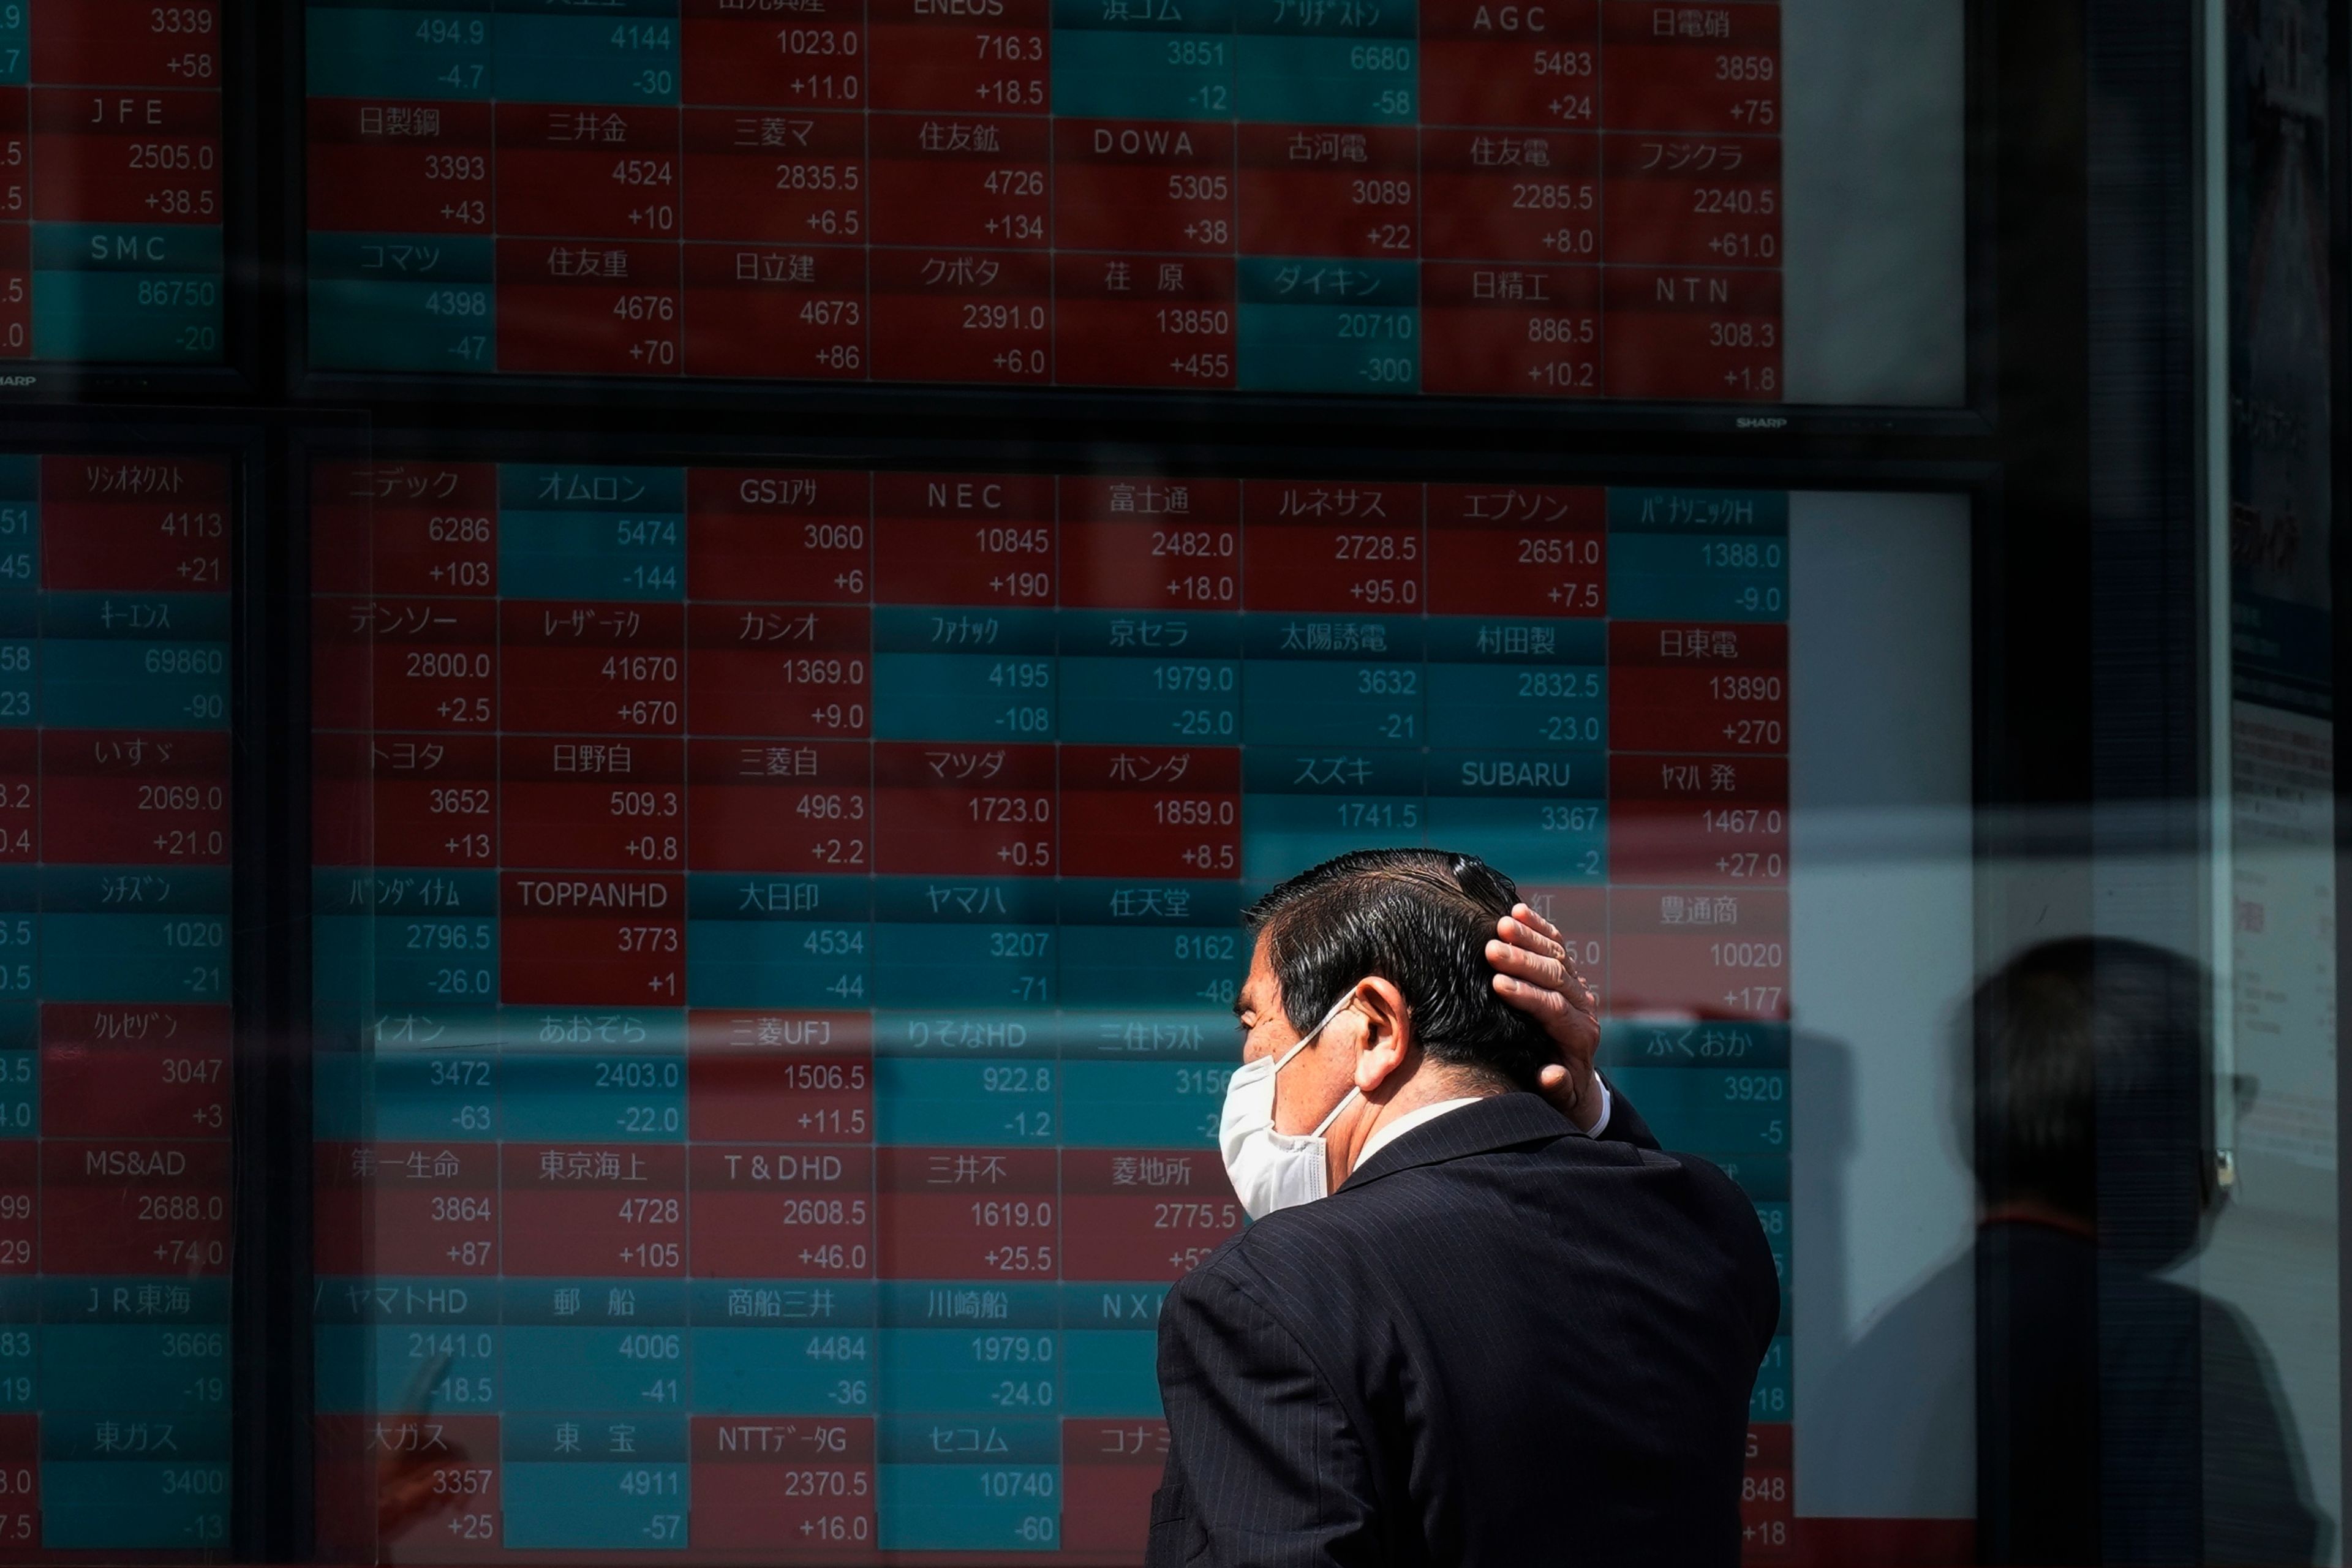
{"points": [[2122, 1417]]}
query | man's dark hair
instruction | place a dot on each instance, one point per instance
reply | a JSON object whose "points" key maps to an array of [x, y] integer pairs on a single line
{"points": [[1419, 919]]}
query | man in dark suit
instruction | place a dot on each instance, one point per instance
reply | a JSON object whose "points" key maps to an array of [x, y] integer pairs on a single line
{"points": [[1498, 1342]]}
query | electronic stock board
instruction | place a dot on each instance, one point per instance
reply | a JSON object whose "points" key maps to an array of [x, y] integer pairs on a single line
{"points": [[1513, 198], [776, 929], [110, 181]]}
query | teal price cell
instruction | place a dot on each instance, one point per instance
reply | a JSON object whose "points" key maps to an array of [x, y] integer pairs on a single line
{"points": [[1318, 702], [136, 1478], [127, 685], [165, 1368], [966, 965], [629, 1367], [16, 44], [568, 533], [1776, 1218], [965, 697], [1744, 1043], [400, 302], [1141, 701], [602, 1094], [20, 529], [1355, 330], [431, 960], [782, 1371], [398, 48], [1770, 1399], [20, 1093], [975, 1483], [19, 679], [133, 958], [1144, 1104], [447, 1366], [1710, 1111], [1698, 577], [776, 964], [432, 1093], [924, 1100], [1152, 967], [1340, 78], [126, 293], [982, 1369], [1538, 815], [627, 53], [1298, 811], [1124, 73], [1500, 705]]}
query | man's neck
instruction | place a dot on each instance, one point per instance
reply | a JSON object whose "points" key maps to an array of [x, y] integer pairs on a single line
{"points": [[1427, 1085]]}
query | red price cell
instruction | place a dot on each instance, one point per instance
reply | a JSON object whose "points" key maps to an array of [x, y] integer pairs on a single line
{"points": [[1310, 190], [1150, 544], [593, 803], [613, 1209], [1338, 546], [592, 307], [405, 664], [143, 157], [777, 672], [133, 524], [1698, 688], [1768, 1505], [405, 528], [960, 55], [961, 315], [1512, 64], [795, 179], [20, 1206], [1109, 1471], [1137, 321], [124, 42], [117, 1070], [1517, 332], [1683, 67], [342, 1181], [957, 1214], [762, 1479], [1141, 811], [1698, 200], [1517, 550], [1143, 1214], [135, 1206], [390, 799], [773, 310], [983, 183], [1682, 334], [400, 167], [1498, 196], [810, 56], [594, 669], [963, 539], [749, 1074], [780, 807], [1721, 821], [426, 1208], [1705, 950], [1129, 185], [766, 534], [773, 1211], [599, 169], [607, 939], [111, 797], [964, 809], [20, 795]]}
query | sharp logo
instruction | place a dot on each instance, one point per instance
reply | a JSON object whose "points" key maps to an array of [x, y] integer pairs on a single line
{"points": [[1752, 423]]}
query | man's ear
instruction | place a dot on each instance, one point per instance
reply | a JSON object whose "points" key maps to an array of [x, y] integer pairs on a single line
{"points": [[1388, 1032]]}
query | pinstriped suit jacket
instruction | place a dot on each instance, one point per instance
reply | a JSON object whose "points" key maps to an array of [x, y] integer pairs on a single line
{"points": [[1497, 1345]]}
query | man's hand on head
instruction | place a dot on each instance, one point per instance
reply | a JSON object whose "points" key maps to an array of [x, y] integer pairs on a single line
{"points": [[1534, 972]]}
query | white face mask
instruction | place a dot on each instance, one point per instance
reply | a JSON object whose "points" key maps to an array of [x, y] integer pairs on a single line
{"points": [[1273, 1170]]}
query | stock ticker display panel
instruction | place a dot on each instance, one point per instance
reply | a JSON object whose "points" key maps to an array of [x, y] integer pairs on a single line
{"points": [[114, 1015], [1555, 199], [775, 934], [111, 203]]}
